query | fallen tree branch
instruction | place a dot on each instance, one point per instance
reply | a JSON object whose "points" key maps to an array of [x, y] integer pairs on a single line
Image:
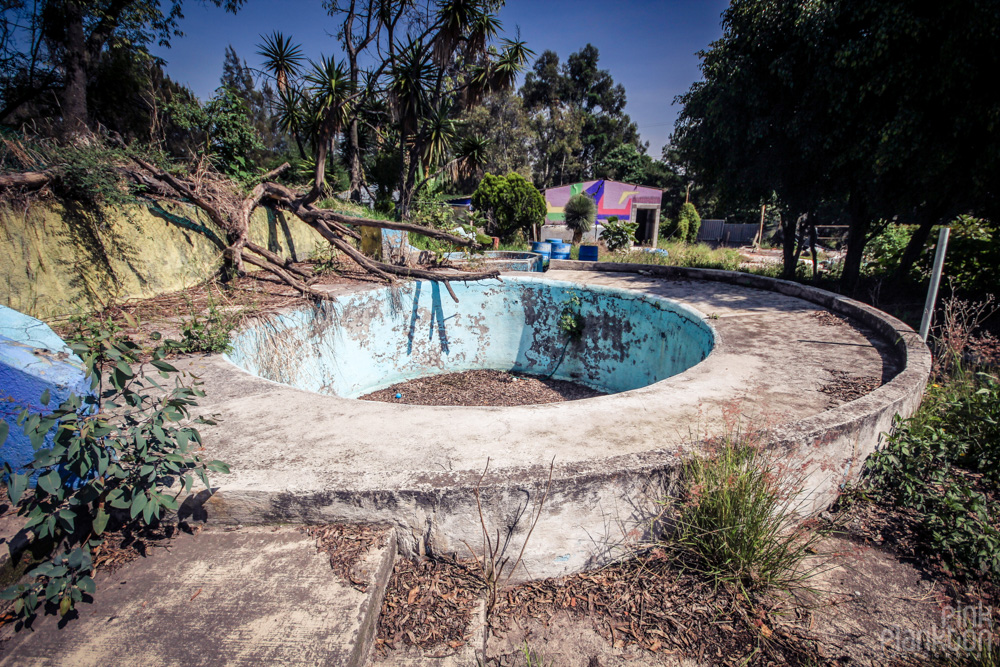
{"points": [[29, 180], [278, 260]]}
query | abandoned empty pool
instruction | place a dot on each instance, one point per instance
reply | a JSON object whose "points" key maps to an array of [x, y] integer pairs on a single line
{"points": [[682, 353]]}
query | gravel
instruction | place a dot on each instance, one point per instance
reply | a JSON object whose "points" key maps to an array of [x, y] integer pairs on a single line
{"points": [[482, 387]]}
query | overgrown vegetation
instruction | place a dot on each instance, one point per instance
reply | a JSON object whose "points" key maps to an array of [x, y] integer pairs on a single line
{"points": [[943, 464], [688, 223], [677, 253], [737, 522], [209, 332], [119, 458]]}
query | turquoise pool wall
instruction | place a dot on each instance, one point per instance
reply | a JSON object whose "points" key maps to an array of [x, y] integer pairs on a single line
{"points": [[373, 339]]}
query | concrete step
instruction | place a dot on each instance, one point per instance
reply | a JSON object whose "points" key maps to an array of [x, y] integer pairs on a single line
{"points": [[253, 596]]}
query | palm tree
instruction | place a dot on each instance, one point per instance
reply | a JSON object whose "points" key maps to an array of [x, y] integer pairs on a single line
{"points": [[581, 212], [281, 58], [329, 95]]}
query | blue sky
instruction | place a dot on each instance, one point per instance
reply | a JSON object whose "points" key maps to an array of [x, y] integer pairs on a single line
{"points": [[649, 46]]}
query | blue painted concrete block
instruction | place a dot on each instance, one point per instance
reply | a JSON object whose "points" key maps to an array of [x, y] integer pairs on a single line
{"points": [[32, 359]]}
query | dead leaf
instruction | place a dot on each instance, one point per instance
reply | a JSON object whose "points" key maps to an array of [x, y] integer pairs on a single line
{"points": [[413, 594]]}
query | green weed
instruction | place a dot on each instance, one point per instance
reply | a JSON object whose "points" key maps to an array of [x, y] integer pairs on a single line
{"points": [[737, 522]]}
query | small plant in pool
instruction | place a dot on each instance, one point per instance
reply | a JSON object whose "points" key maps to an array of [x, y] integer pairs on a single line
{"points": [[571, 325], [571, 321]]}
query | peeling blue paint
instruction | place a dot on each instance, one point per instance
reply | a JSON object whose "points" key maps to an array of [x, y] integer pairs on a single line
{"points": [[32, 359], [370, 340]]}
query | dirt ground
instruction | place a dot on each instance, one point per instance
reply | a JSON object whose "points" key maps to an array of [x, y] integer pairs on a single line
{"points": [[865, 606], [482, 387]]}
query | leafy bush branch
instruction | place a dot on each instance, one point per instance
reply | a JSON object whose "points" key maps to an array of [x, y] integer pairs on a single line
{"points": [[120, 458]]}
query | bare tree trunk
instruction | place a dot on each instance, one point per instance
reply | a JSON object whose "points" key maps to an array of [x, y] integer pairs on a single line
{"points": [[812, 243], [74, 94], [917, 243], [789, 224], [354, 161], [857, 237]]}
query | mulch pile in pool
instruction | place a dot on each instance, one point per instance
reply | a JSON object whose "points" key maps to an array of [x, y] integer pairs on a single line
{"points": [[483, 387]]}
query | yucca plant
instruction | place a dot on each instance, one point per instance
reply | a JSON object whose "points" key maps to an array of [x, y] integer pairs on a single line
{"points": [[580, 212]]}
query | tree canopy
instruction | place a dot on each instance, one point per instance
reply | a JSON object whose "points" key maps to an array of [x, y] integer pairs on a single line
{"points": [[882, 109]]}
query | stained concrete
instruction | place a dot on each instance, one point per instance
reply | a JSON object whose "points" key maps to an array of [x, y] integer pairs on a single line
{"points": [[254, 596], [56, 261], [366, 341], [299, 456]]}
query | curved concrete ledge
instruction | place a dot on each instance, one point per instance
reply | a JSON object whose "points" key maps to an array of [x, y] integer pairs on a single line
{"points": [[298, 456]]}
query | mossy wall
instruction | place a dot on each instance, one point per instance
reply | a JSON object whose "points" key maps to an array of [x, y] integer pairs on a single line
{"points": [[57, 261]]}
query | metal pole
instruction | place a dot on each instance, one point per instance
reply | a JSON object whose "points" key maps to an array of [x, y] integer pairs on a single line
{"points": [[932, 291]]}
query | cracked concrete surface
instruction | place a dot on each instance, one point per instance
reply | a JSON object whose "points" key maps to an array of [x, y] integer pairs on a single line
{"points": [[254, 596]]}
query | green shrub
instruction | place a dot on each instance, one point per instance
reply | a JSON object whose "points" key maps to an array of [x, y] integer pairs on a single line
{"points": [[973, 257], [690, 222], [580, 212], [736, 523], [209, 333], [617, 234], [114, 459], [944, 463], [882, 253], [510, 203]]}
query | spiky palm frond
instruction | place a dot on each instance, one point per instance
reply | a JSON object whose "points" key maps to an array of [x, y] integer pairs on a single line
{"points": [[484, 29], [440, 130], [410, 85], [456, 18], [281, 58], [330, 90], [290, 111], [513, 58], [472, 155]]}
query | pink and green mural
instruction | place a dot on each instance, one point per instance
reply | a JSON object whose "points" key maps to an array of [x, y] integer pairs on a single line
{"points": [[612, 197]]}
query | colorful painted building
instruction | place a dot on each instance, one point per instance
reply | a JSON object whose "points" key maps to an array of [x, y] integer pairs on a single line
{"points": [[635, 203]]}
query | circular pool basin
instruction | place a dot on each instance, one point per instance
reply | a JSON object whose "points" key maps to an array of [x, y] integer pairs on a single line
{"points": [[369, 340]]}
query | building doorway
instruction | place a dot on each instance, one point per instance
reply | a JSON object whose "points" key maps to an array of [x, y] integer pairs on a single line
{"points": [[648, 219]]}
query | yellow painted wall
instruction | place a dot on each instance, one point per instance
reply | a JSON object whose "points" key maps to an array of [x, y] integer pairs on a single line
{"points": [[54, 262]]}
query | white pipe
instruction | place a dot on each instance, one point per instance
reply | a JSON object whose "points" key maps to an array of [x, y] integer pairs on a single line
{"points": [[932, 291]]}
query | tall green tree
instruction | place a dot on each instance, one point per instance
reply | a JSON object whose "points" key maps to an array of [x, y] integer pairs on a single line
{"points": [[850, 105], [58, 44], [578, 90]]}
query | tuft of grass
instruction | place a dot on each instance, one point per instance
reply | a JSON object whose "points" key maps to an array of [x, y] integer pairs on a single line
{"points": [[737, 523]]}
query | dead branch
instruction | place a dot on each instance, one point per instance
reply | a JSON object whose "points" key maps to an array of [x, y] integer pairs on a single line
{"points": [[230, 213], [29, 180]]}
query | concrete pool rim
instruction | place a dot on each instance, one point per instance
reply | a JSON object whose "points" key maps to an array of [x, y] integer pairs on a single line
{"points": [[430, 508]]}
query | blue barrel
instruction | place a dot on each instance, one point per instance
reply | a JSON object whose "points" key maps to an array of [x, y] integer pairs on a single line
{"points": [[553, 241], [560, 250], [588, 253], [543, 248]]}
